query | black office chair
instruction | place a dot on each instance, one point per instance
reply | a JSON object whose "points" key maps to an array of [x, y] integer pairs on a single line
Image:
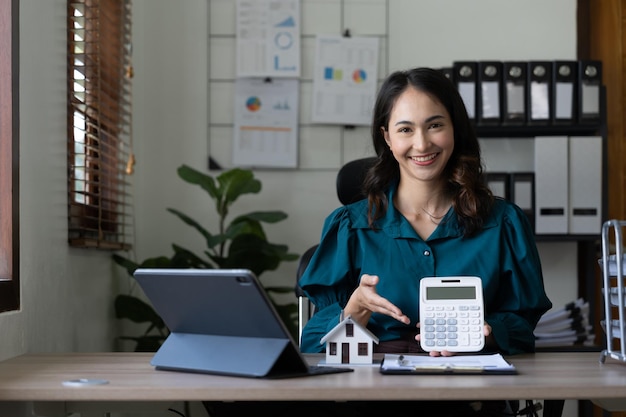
{"points": [[349, 181]]}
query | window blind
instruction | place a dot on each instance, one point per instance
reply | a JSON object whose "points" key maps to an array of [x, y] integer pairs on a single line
{"points": [[99, 124]]}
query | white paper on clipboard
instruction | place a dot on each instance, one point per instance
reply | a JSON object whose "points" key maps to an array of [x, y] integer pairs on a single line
{"points": [[266, 123]]}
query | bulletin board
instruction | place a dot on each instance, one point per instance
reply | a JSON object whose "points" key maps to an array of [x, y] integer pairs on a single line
{"points": [[320, 146]]}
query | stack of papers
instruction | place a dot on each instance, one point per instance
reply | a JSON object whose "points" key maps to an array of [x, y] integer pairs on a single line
{"points": [[566, 326], [460, 364]]}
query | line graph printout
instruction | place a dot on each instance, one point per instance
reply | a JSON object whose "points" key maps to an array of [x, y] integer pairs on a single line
{"points": [[268, 38], [345, 80], [266, 123]]}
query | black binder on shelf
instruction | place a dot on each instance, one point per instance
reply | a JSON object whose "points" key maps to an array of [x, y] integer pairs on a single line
{"points": [[514, 92], [498, 183], [565, 92], [466, 80], [540, 92], [522, 192], [590, 84], [489, 89]]}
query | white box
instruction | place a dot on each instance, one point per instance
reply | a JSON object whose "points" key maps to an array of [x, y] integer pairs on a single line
{"points": [[551, 185], [585, 187]]}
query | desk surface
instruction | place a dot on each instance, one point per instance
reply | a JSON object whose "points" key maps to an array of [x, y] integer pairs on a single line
{"points": [[568, 375]]}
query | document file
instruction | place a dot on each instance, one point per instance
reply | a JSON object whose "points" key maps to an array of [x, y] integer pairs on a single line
{"points": [[514, 93], [585, 187], [590, 83], [540, 92], [489, 92], [465, 77], [551, 184], [565, 81], [523, 193]]}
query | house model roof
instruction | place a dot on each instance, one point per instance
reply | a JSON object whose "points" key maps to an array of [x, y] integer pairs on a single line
{"points": [[341, 324]]}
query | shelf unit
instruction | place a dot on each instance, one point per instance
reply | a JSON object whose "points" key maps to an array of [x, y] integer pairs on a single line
{"points": [[587, 244], [613, 290]]}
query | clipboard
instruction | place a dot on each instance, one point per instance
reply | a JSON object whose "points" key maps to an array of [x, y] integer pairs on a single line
{"points": [[486, 364]]}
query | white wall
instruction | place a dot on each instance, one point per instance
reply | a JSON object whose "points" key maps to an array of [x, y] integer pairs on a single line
{"points": [[67, 294], [174, 95]]}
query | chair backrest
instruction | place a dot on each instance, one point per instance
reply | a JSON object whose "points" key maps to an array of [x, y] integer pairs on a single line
{"points": [[350, 180], [349, 190]]}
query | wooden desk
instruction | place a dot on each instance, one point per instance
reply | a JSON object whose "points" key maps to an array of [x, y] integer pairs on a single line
{"points": [[542, 376]]}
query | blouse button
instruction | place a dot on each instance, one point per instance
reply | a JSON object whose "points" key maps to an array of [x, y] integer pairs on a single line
{"points": [[426, 253]]}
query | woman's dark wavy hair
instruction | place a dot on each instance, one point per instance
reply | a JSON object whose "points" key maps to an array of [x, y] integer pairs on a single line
{"points": [[472, 199]]}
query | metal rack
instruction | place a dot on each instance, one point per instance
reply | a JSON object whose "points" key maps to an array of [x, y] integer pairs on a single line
{"points": [[613, 290]]}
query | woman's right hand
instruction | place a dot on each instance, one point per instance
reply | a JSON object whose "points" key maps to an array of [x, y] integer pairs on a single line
{"points": [[365, 300]]}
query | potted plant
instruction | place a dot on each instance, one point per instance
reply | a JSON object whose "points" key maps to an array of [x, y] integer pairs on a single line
{"points": [[240, 243]]}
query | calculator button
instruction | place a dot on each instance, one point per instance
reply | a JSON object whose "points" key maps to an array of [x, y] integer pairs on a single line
{"points": [[429, 321]]}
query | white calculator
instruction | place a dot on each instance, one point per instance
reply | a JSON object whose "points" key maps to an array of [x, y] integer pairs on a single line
{"points": [[451, 314]]}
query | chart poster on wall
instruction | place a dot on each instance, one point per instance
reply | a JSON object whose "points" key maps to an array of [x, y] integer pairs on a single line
{"points": [[345, 79], [266, 123], [268, 38]]}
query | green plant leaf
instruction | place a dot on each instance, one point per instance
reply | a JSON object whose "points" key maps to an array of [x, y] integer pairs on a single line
{"points": [[184, 258], [196, 177], [191, 222], [241, 244], [245, 226], [129, 265], [262, 216], [236, 182]]}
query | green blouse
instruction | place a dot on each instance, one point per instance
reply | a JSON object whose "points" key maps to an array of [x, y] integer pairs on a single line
{"points": [[503, 254]]}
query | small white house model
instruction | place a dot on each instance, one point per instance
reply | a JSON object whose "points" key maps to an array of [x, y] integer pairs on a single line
{"points": [[349, 342]]}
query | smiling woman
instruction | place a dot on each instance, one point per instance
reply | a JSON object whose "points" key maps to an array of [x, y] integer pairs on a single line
{"points": [[9, 221]]}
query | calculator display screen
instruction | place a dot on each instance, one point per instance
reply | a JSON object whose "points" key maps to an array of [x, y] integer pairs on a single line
{"points": [[450, 293]]}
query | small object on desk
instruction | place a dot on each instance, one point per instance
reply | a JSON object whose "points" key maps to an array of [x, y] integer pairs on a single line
{"points": [[461, 365], [84, 382]]}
